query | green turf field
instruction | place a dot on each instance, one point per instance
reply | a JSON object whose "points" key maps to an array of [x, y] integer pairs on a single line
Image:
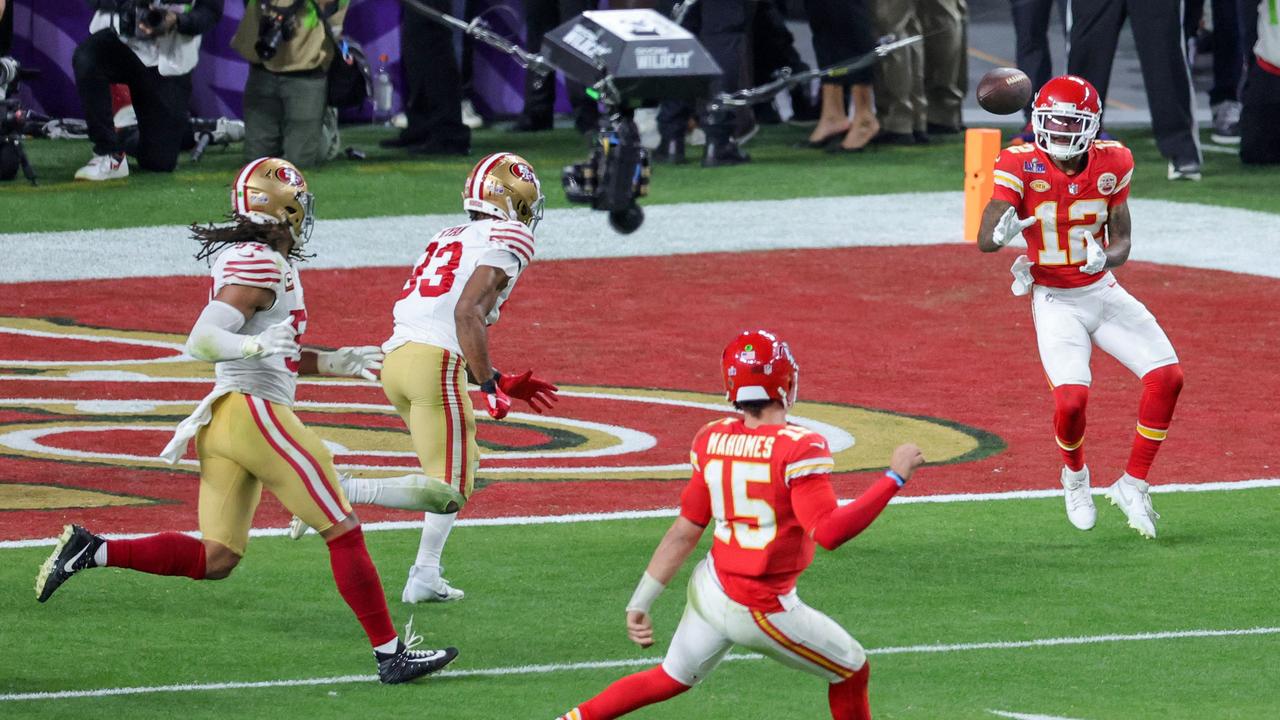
{"points": [[922, 575], [392, 183]]}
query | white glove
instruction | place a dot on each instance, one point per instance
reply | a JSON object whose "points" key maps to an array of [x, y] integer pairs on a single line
{"points": [[1009, 227], [351, 362], [279, 339], [1095, 257], [1022, 281]]}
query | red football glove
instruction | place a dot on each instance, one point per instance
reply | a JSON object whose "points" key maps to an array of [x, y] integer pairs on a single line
{"points": [[495, 399], [529, 389]]}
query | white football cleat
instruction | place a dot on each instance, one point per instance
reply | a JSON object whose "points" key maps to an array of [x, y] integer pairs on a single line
{"points": [[104, 167], [297, 528], [1080, 509], [426, 585], [1130, 495]]}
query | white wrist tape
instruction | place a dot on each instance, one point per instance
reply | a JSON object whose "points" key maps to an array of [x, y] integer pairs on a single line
{"points": [[646, 592], [214, 338], [325, 364]]}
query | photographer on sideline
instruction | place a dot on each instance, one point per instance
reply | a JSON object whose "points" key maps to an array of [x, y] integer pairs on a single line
{"points": [[285, 97], [152, 48]]}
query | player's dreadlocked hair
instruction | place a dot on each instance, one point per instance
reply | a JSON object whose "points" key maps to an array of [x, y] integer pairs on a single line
{"points": [[214, 238]]}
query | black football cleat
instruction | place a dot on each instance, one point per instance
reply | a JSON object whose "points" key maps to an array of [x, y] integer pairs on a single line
{"points": [[406, 664], [73, 553]]}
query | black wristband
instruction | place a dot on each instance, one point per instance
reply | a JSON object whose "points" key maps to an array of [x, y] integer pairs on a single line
{"points": [[490, 386]]}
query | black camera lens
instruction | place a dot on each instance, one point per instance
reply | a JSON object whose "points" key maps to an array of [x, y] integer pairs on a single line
{"points": [[155, 17]]}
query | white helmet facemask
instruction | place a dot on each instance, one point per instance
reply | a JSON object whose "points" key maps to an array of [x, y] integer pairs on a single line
{"points": [[1062, 131]]}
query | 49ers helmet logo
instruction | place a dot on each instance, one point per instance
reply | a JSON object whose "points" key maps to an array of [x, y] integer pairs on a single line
{"points": [[289, 176], [522, 171]]}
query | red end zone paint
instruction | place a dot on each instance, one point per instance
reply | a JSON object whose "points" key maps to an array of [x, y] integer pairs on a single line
{"points": [[927, 331]]}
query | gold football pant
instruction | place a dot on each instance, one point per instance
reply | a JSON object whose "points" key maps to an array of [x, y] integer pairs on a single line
{"points": [[428, 387], [248, 443]]}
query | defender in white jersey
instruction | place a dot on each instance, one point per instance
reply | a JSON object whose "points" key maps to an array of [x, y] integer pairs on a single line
{"points": [[246, 434], [440, 341]]}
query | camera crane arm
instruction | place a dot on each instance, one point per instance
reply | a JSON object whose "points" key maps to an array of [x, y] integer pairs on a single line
{"points": [[786, 80], [480, 30]]}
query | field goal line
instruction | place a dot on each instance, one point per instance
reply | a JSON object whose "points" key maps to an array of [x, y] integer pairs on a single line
{"points": [[633, 662], [672, 512]]}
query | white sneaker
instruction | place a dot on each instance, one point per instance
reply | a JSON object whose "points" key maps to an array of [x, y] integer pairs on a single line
{"points": [[227, 130], [1189, 170], [426, 585], [1080, 509], [1226, 123], [1130, 495], [104, 167], [470, 117], [297, 528]]}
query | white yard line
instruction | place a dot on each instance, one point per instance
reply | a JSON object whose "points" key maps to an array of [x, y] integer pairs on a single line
{"points": [[572, 518], [634, 662], [1163, 232], [1027, 716]]}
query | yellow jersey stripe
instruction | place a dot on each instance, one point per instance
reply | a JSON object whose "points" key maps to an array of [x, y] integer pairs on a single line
{"points": [[1124, 182], [808, 467], [1013, 180], [1005, 183]]}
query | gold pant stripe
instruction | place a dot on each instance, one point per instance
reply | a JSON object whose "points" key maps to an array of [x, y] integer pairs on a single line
{"points": [[809, 654], [306, 467], [250, 443], [427, 386]]}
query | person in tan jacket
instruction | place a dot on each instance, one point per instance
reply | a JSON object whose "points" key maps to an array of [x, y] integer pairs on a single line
{"points": [[285, 95]]}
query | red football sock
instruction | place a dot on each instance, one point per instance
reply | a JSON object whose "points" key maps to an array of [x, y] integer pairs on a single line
{"points": [[360, 586], [1068, 423], [168, 553], [1160, 389], [630, 693], [848, 698]]}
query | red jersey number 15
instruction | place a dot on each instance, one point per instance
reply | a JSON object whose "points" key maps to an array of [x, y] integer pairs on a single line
{"points": [[755, 522]]}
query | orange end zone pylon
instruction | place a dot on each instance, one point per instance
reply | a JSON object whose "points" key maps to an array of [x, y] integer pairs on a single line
{"points": [[981, 146]]}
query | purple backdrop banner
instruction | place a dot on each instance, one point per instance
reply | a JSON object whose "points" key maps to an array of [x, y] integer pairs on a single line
{"points": [[46, 33]]}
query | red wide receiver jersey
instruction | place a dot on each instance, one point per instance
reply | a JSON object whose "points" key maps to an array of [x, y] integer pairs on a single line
{"points": [[743, 479], [1026, 178]]}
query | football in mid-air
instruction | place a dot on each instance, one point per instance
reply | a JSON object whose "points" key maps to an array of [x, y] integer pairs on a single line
{"points": [[1004, 91]]}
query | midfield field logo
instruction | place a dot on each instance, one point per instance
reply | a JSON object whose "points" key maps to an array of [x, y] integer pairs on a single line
{"points": [[118, 409]]}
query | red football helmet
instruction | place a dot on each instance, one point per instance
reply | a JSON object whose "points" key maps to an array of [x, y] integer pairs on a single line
{"points": [[1066, 116], [759, 366]]}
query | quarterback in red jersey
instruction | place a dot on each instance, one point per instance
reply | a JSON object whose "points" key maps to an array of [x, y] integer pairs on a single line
{"points": [[1067, 195], [764, 483]]}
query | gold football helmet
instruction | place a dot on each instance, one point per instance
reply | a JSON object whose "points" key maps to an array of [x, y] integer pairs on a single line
{"points": [[271, 190], [503, 185]]}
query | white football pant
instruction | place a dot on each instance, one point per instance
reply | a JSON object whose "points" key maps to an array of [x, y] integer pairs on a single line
{"points": [[1070, 321], [799, 637]]}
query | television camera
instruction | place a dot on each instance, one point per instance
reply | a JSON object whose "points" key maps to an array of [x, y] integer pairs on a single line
{"points": [[14, 121]]}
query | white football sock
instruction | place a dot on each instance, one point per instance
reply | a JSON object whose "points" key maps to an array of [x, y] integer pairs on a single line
{"points": [[100, 555], [388, 647], [406, 492], [1077, 476], [435, 531]]}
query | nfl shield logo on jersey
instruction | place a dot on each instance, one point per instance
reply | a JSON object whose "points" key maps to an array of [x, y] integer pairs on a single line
{"points": [[1106, 183], [1073, 188]]}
